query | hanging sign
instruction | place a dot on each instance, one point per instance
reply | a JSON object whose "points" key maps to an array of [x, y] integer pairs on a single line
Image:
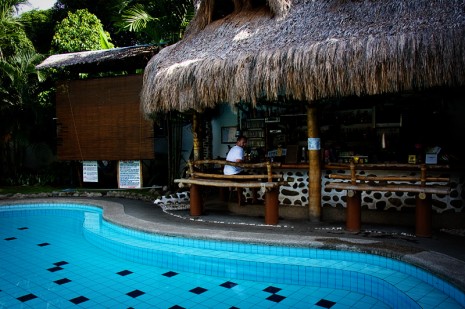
{"points": [[129, 175], [314, 143], [89, 171]]}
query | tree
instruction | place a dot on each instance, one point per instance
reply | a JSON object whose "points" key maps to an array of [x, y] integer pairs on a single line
{"points": [[105, 10], [80, 31], [159, 22], [12, 35], [21, 112], [39, 26], [132, 22]]}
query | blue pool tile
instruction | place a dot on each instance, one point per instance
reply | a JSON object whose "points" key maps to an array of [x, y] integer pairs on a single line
{"points": [[324, 303], [61, 263], [228, 284], [62, 281], [124, 272], [276, 298], [27, 297], [170, 274], [272, 289], [54, 269], [198, 290], [135, 293], [79, 300]]}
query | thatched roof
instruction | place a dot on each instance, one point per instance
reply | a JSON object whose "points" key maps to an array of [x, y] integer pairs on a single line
{"points": [[307, 50], [117, 59]]}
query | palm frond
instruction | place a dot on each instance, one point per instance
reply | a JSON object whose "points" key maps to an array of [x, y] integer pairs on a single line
{"points": [[136, 18]]}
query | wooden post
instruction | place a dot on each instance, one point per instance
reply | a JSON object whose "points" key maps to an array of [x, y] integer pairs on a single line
{"points": [[423, 209], [423, 215], [353, 211], [196, 135], [195, 201], [272, 206], [269, 171], [222, 195], [314, 169], [354, 204]]}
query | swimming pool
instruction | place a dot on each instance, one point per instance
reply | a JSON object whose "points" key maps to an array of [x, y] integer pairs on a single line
{"points": [[66, 255]]}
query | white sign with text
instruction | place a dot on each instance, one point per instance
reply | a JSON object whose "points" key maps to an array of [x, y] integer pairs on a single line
{"points": [[89, 171], [129, 175]]}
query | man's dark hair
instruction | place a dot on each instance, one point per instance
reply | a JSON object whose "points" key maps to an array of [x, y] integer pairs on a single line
{"points": [[241, 137]]}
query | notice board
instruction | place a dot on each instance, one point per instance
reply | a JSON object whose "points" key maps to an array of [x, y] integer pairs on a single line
{"points": [[89, 171], [129, 175]]}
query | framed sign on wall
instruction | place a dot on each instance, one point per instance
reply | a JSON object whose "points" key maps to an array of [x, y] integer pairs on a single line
{"points": [[228, 135]]}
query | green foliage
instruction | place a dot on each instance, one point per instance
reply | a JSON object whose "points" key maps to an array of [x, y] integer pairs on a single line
{"points": [[39, 26], [21, 75], [25, 131], [12, 36], [80, 31], [156, 22], [132, 22], [46, 98]]}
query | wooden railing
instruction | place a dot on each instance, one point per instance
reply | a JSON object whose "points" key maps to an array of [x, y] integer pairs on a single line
{"points": [[210, 173], [423, 185]]}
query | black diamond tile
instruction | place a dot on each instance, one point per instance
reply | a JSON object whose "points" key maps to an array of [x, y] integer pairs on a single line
{"points": [[23, 228], [61, 263], [233, 307], [43, 244], [272, 289], [124, 272], [78, 300], [135, 293], [26, 297], [170, 274], [54, 269], [276, 298], [176, 307], [228, 284], [325, 303], [62, 281], [11, 238], [198, 290]]}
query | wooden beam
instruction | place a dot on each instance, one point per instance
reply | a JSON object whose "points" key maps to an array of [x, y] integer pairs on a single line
{"points": [[432, 189]]}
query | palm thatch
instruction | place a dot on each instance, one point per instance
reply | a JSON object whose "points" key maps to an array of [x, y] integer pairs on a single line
{"points": [[307, 50], [121, 58]]}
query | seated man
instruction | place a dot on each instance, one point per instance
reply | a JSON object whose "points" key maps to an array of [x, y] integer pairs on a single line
{"points": [[236, 154]]}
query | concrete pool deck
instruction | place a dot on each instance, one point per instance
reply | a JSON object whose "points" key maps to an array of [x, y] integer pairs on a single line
{"points": [[443, 254]]}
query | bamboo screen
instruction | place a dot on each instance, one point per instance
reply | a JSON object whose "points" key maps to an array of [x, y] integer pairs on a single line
{"points": [[101, 119]]}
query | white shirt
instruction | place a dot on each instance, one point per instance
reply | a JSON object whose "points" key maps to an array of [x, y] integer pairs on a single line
{"points": [[236, 153]]}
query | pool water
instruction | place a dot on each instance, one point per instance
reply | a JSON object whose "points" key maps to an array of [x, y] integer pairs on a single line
{"points": [[66, 256]]}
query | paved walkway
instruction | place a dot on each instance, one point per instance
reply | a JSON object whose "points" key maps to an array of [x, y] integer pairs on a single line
{"points": [[442, 254]]}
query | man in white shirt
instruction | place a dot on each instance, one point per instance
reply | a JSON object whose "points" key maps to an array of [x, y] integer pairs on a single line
{"points": [[235, 154]]}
